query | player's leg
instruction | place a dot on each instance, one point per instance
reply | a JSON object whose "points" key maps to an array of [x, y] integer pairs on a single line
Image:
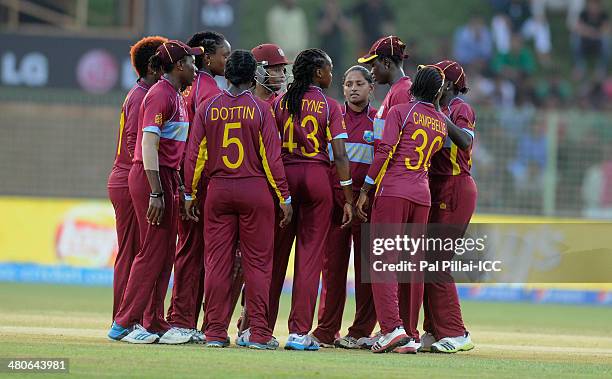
{"points": [[312, 228], [365, 314], [221, 233], [257, 220], [154, 314], [149, 263], [391, 212], [283, 243], [188, 264], [333, 278], [128, 239], [238, 280], [412, 285], [459, 195]]}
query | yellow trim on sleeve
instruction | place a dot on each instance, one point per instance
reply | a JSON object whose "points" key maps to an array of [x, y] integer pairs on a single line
{"points": [[200, 163], [266, 167]]}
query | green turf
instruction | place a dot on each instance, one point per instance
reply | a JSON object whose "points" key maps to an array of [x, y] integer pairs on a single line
{"points": [[513, 340]]}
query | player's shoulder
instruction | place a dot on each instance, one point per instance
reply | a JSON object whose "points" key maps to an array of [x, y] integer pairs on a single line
{"points": [[209, 102], [460, 106]]}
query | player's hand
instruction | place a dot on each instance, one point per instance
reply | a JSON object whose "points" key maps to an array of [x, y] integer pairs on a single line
{"points": [[287, 210], [347, 216], [237, 263], [192, 211], [362, 206], [155, 213]]}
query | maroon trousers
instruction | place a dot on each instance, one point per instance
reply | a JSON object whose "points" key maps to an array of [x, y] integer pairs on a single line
{"points": [[312, 200], [398, 305], [453, 203], [148, 281], [188, 287], [128, 241], [333, 288], [238, 208]]}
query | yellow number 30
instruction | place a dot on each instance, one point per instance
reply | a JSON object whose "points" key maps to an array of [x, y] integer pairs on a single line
{"points": [[227, 141], [437, 142]]}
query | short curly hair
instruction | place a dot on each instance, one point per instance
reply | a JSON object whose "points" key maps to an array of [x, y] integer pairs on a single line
{"points": [[142, 51]]}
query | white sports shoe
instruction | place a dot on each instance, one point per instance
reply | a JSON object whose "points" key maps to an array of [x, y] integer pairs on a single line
{"points": [[411, 347], [196, 335], [386, 343], [427, 339], [175, 336], [135, 334], [368, 342], [453, 344]]}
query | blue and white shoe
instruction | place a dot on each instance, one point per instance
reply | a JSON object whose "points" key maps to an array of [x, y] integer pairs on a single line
{"points": [[243, 337], [175, 336], [135, 334], [196, 335], [244, 341], [301, 342], [218, 344]]}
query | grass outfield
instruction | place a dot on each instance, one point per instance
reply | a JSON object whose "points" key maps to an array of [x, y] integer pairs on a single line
{"points": [[512, 340]]}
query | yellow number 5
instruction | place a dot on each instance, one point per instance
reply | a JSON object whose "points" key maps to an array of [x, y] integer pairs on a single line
{"points": [[232, 141]]}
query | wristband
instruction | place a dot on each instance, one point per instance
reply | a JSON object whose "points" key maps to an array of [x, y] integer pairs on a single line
{"points": [[345, 183], [156, 195], [364, 190]]}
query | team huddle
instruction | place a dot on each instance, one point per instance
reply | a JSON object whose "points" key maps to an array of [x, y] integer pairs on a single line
{"points": [[243, 175]]}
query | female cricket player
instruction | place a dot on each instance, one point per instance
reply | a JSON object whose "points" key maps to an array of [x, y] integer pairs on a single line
{"points": [[413, 133], [118, 189], [154, 181], [188, 287], [386, 57], [358, 117], [269, 80], [307, 120], [235, 139], [453, 202]]}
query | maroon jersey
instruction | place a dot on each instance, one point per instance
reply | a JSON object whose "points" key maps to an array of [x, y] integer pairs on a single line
{"points": [[204, 87], [359, 144], [235, 137], [413, 133], [306, 140], [128, 132], [452, 160], [399, 93], [164, 113]]}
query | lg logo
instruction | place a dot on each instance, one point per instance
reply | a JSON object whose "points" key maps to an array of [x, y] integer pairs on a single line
{"points": [[32, 70]]}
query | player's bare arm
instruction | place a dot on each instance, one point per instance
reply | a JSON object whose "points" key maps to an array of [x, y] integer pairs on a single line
{"points": [[150, 160], [459, 137], [341, 161]]}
